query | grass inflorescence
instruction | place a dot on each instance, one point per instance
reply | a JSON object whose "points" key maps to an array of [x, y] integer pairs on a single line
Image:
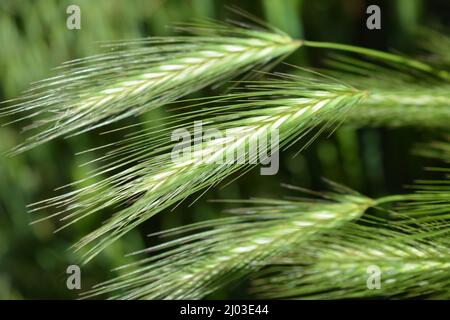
{"points": [[210, 255], [135, 76]]}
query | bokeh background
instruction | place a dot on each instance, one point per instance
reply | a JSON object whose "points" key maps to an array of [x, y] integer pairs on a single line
{"points": [[34, 40]]}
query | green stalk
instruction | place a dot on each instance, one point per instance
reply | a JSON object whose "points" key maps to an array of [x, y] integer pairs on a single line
{"points": [[380, 55]]}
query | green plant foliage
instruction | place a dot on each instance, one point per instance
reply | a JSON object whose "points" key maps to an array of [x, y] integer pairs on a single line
{"points": [[141, 90], [294, 105]]}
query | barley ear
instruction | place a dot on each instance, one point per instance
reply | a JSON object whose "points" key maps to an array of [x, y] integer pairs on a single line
{"points": [[373, 260], [209, 255], [154, 180], [135, 76]]}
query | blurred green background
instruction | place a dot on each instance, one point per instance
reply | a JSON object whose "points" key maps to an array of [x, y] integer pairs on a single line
{"points": [[34, 39]]}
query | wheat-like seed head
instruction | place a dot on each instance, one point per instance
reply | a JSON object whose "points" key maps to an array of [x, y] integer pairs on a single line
{"points": [[193, 266], [153, 181], [139, 75], [410, 263], [148, 181]]}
